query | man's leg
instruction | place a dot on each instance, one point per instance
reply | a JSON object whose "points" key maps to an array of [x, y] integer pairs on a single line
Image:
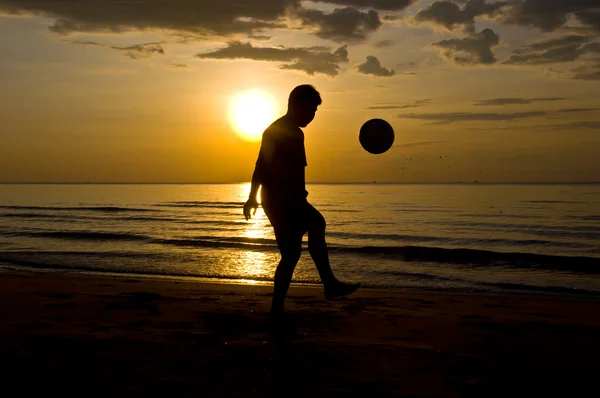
{"points": [[317, 247], [290, 247]]}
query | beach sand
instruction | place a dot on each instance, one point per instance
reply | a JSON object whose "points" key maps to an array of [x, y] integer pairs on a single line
{"points": [[78, 335]]}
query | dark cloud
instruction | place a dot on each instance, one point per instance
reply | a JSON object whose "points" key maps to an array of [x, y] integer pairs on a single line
{"points": [[451, 15], [397, 106], [564, 49], [590, 18], [200, 18], [136, 51], [557, 42], [588, 73], [573, 110], [258, 37], [387, 5], [381, 107], [445, 118], [372, 66], [192, 16], [383, 43], [177, 65], [549, 15], [308, 59], [516, 101], [341, 24], [422, 143], [392, 18], [595, 125], [475, 49]]}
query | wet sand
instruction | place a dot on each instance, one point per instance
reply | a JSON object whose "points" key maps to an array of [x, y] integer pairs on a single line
{"points": [[78, 335]]}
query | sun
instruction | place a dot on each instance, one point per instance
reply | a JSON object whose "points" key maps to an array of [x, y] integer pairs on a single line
{"points": [[251, 112]]}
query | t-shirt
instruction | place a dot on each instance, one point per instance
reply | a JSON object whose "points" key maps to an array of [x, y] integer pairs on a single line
{"points": [[282, 160]]}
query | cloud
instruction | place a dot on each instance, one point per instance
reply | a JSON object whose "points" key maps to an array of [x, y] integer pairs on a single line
{"points": [[342, 24], [372, 66], [206, 18], [588, 70], [383, 43], [573, 110], [177, 65], [549, 15], [557, 42], [590, 18], [193, 16], [592, 73], [475, 49], [451, 15], [136, 51], [446, 118], [421, 143], [392, 18], [451, 117], [387, 5], [515, 101], [594, 125], [395, 106], [307, 59], [564, 49]]}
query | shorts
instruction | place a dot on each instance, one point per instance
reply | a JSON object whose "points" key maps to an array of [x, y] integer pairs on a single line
{"points": [[291, 219]]}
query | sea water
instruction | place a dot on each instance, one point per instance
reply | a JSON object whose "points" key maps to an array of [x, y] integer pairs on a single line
{"points": [[526, 238]]}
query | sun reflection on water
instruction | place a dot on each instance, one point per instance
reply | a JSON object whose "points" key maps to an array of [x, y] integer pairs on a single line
{"points": [[255, 263]]}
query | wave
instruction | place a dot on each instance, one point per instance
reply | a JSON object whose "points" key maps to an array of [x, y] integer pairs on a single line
{"points": [[454, 240], [237, 243], [465, 256], [104, 209], [203, 204], [81, 235], [63, 217], [524, 287], [474, 257], [476, 287], [553, 201], [31, 215], [196, 241], [422, 210], [502, 215], [96, 269], [585, 218], [497, 225]]}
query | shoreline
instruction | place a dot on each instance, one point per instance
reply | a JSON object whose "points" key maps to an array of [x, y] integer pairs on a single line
{"points": [[76, 334], [525, 291]]}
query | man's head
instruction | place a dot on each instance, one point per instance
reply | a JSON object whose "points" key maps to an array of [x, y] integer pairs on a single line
{"points": [[303, 103]]}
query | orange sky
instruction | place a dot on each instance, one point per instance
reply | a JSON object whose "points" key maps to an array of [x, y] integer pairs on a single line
{"points": [[141, 91]]}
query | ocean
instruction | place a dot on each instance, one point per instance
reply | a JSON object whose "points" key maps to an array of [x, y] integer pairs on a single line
{"points": [[493, 238]]}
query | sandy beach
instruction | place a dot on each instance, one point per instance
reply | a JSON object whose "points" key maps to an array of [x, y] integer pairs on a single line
{"points": [[66, 335]]}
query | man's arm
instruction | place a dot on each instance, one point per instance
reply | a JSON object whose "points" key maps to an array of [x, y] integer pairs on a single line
{"points": [[257, 179], [252, 202]]}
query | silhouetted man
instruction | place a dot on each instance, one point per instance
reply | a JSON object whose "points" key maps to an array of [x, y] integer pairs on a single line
{"points": [[280, 171]]}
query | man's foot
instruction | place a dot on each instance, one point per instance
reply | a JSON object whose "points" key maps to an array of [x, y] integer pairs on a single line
{"points": [[277, 314], [281, 324], [340, 289]]}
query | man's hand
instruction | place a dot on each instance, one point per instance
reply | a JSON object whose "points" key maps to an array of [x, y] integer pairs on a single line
{"points": [[248, 206]]}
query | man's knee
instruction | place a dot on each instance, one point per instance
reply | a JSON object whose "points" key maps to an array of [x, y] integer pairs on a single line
{"points": [[290, 246], [291, 255]]}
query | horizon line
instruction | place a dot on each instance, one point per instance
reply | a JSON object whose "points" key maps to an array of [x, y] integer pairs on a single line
{"points": [[474, 182]]}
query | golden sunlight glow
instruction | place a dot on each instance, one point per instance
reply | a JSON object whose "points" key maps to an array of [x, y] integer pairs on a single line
{"points": [[251, 112]]}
